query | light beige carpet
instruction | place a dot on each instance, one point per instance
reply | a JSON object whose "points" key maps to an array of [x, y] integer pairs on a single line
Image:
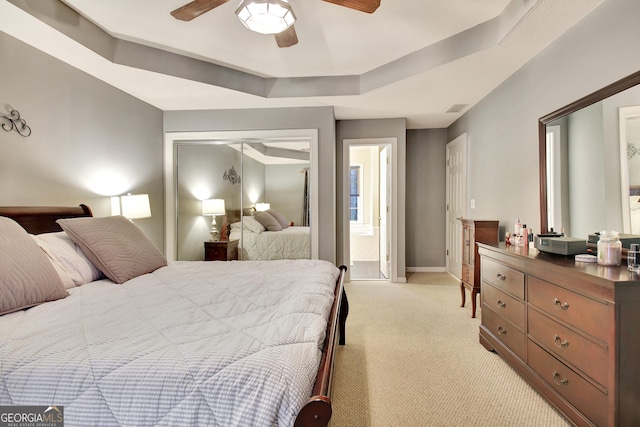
{"points": [[413, 359]]}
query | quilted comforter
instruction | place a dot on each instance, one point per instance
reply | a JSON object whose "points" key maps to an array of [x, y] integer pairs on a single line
{"points": [[193, 343], [290, 243]]}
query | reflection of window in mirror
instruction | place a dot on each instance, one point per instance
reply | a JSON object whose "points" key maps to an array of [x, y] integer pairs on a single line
{"points": [[355, 206], [553, 177]]}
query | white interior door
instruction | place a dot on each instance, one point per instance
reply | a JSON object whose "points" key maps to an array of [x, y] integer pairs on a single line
{"points": [[385, 218], [456, 202]]}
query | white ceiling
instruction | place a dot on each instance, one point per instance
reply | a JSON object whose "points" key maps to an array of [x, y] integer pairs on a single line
{"points": [[411, 58]]}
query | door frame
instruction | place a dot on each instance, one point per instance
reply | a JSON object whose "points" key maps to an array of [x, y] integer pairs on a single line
{"points": [[393, 206]]}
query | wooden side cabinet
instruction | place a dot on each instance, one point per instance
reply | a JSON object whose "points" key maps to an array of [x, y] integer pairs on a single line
{"points": [[474, 231], [223, 250]]}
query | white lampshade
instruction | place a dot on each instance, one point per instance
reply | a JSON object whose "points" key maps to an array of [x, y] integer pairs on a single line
{"points": [[263, 206], [135, 206], [213, 207], [266, 16]]}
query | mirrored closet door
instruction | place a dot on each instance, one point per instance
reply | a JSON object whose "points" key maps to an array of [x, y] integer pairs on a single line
{"points": [[265, 186]]}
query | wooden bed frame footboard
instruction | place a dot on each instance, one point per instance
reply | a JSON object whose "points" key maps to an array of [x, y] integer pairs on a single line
{"points": [[317, 411]]}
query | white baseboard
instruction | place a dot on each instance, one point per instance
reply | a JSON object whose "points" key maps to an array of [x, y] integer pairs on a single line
{"points": [[426, 269]]}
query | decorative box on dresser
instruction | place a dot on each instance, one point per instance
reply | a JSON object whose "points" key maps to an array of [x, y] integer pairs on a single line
{"points": [[571, 329], [474, 231], [221, 250]]}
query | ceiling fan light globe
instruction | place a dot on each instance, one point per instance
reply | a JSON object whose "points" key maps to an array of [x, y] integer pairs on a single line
{"points": [[266, 16]]}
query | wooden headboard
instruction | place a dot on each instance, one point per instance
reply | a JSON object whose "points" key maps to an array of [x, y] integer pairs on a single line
{"points": [[233, 215], [42, 219]]}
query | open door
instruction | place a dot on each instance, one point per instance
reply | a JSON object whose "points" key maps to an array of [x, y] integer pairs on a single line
{"points": [[385, 218], [456, 202]]}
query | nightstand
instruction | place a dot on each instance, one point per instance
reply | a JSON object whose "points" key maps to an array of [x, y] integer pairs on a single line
{"points": [[223, 250]]}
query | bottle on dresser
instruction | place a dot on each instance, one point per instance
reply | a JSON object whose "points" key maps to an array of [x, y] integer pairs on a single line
{"points": [[524, 236], [517, 236]]}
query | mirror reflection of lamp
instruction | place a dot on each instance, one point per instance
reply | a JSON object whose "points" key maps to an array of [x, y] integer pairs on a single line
{"points": [[263, 206], [131, 206], [214, 207]]}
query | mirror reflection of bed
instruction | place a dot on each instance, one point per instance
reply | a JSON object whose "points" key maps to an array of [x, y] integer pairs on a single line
{"points": [[247, 175]]}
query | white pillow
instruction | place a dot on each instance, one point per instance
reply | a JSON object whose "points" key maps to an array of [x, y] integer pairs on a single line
{"points": [[251, 224], [65, 253]]}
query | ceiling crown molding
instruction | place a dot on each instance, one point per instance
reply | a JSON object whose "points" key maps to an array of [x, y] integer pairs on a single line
{"points": [[67, 21]]}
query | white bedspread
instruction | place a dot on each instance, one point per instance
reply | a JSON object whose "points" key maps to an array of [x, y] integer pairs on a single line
{"points": [[194, 343], [290, 243]]}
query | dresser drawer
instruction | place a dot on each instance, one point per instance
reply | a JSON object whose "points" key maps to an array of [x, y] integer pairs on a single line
{"points": [[581, 312], [503, 304], [504, 330], [583, 395], [505, 278], [580, 352]]}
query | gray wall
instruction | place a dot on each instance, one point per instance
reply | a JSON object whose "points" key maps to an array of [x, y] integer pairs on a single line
{"points": [[284, 190], [320, 118], [89, 140], [502, 129], [426, 198], [586, 171], [367, 129]]}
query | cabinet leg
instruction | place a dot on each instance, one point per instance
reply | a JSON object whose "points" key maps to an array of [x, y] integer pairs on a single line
{"points": [[462, 292], [474, 297]]}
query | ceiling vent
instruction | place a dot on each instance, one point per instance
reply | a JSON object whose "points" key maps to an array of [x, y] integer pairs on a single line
{"points": [[456, 108]]}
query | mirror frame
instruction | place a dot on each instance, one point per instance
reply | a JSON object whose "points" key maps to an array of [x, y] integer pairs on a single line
{"points": [[597, 96]]}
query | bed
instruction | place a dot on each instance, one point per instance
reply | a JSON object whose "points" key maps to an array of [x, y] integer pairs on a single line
{"points": [[291, 243], [266, 238], [188, 343]]}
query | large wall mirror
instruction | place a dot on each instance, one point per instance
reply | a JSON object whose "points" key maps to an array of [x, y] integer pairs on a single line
{"points": [[249, 171], [590, 162]]}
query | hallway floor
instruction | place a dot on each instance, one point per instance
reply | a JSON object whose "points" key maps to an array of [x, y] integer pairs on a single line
{"points": [[366, 270]]}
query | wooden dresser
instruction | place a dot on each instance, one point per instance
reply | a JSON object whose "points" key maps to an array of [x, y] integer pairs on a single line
{"points": [[221, 250], [571, 329], [474, 231]]}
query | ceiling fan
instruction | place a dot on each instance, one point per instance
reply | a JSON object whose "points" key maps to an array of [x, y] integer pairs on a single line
{"points": [[284, 37]]}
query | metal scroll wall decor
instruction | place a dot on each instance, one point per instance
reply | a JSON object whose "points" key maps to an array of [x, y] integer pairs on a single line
{"points": [[14, 122], [232, 176]]}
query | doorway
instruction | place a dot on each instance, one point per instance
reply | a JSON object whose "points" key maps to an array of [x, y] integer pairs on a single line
{"points": [[369, 196]]}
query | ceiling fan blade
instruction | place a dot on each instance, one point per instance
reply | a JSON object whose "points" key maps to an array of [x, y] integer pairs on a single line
{"points": [[368, 6], [196, 8], [287, 38]]}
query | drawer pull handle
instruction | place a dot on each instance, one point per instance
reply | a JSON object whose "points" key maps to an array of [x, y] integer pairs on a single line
{"points": [[502, 277], [559, 342], [559, 380], [501, 304], [560, 305], [502, 330]]}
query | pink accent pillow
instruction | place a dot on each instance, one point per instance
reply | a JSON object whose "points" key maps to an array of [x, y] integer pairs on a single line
{"points": [[27, 276], [268, 221], [279, 217], [115, 245]]}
